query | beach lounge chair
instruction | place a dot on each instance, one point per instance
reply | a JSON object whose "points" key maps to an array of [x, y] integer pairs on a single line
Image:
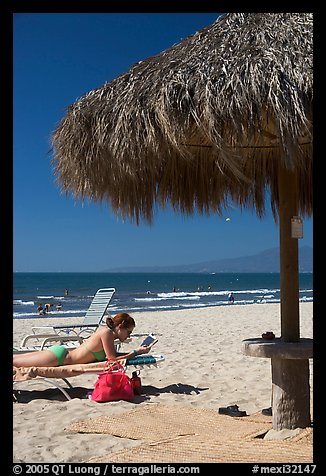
{"points": [[90, 323], [51, 375]]}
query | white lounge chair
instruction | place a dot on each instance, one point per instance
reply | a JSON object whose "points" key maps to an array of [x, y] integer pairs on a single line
{"points": [[65, 333]]}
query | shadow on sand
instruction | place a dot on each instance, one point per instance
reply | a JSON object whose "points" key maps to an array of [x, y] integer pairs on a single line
{"points": [[26, 396]]}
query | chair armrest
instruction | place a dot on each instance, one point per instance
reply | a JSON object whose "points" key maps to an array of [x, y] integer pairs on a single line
{"points": [[34, 336], [74, 326], [49, 338], [61, 339]]}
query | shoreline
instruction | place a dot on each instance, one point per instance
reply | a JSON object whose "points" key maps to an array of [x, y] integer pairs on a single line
{"points": [[66, 316], [149, 292], [204, 367]]}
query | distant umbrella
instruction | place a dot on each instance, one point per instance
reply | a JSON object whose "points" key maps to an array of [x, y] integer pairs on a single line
{"points": [[219, 118]]}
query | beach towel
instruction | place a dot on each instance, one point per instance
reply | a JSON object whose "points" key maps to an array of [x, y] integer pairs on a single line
{"points": [[64, 371]]}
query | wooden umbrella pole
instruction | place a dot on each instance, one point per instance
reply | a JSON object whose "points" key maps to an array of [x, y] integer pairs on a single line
{"points": [[289, 269], [290, 375]]}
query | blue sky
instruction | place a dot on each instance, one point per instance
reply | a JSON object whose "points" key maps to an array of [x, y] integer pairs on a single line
{"points": [[58, 57]]}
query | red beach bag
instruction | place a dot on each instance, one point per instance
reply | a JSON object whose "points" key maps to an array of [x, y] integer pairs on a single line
{"points": [[113, 384]]}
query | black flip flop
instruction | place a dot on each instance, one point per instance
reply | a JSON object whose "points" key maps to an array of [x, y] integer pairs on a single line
{"points": [[267, 411], [232, 410]]}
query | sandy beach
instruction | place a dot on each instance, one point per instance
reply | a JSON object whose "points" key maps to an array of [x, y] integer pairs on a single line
{"points": [[204, 367]]}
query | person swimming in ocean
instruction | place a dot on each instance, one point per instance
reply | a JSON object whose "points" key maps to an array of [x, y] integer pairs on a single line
{"points": [[96, 348], [40, 309], [48, 307]]}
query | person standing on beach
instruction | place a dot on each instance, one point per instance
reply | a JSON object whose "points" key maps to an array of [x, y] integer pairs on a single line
{"points": [[96, 348]]}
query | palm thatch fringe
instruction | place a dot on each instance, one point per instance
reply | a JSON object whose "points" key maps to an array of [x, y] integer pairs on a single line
{"points": [[207, 121]]}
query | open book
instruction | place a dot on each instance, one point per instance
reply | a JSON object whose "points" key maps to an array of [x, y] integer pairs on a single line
{"points": [[150, 340]]}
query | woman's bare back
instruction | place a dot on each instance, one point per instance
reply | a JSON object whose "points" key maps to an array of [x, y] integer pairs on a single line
{"points": [[102, 339]]}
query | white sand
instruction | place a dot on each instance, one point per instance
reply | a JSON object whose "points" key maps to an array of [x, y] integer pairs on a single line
{"points": [[204, 367]]}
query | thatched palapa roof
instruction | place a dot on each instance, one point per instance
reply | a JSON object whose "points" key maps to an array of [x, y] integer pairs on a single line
{"points": [[203, 123]]}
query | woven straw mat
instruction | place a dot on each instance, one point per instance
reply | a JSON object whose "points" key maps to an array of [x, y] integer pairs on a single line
{"points": [[180, 434]]}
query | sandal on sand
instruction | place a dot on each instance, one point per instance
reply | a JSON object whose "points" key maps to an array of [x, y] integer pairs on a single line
{"points": [[232, 410], [267, 411]]}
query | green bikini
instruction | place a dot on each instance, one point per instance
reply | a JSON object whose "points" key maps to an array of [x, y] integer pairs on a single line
{"points": [[60, 352], [99, 356]]}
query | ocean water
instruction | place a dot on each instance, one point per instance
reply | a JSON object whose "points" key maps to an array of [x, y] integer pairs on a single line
{"points": [[145, 291]]}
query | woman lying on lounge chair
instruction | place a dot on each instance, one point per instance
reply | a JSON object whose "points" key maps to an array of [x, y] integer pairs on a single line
{"points": [[98, 347]]}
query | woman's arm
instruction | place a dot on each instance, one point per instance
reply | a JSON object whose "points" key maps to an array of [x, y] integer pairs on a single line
{"points": [[109, 348], [144, 349]]}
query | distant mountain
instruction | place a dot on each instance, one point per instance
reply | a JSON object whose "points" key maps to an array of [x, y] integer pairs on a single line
{"points": [[267, 261]]}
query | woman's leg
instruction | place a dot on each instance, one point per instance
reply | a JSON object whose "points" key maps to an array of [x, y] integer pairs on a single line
{"points": [[40, 358]]}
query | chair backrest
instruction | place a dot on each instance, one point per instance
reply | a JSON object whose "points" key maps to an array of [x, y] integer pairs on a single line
{"points": [[98, 306]]}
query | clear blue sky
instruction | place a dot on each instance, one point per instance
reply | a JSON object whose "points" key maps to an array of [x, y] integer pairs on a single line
{"points": [[57, 58]]}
